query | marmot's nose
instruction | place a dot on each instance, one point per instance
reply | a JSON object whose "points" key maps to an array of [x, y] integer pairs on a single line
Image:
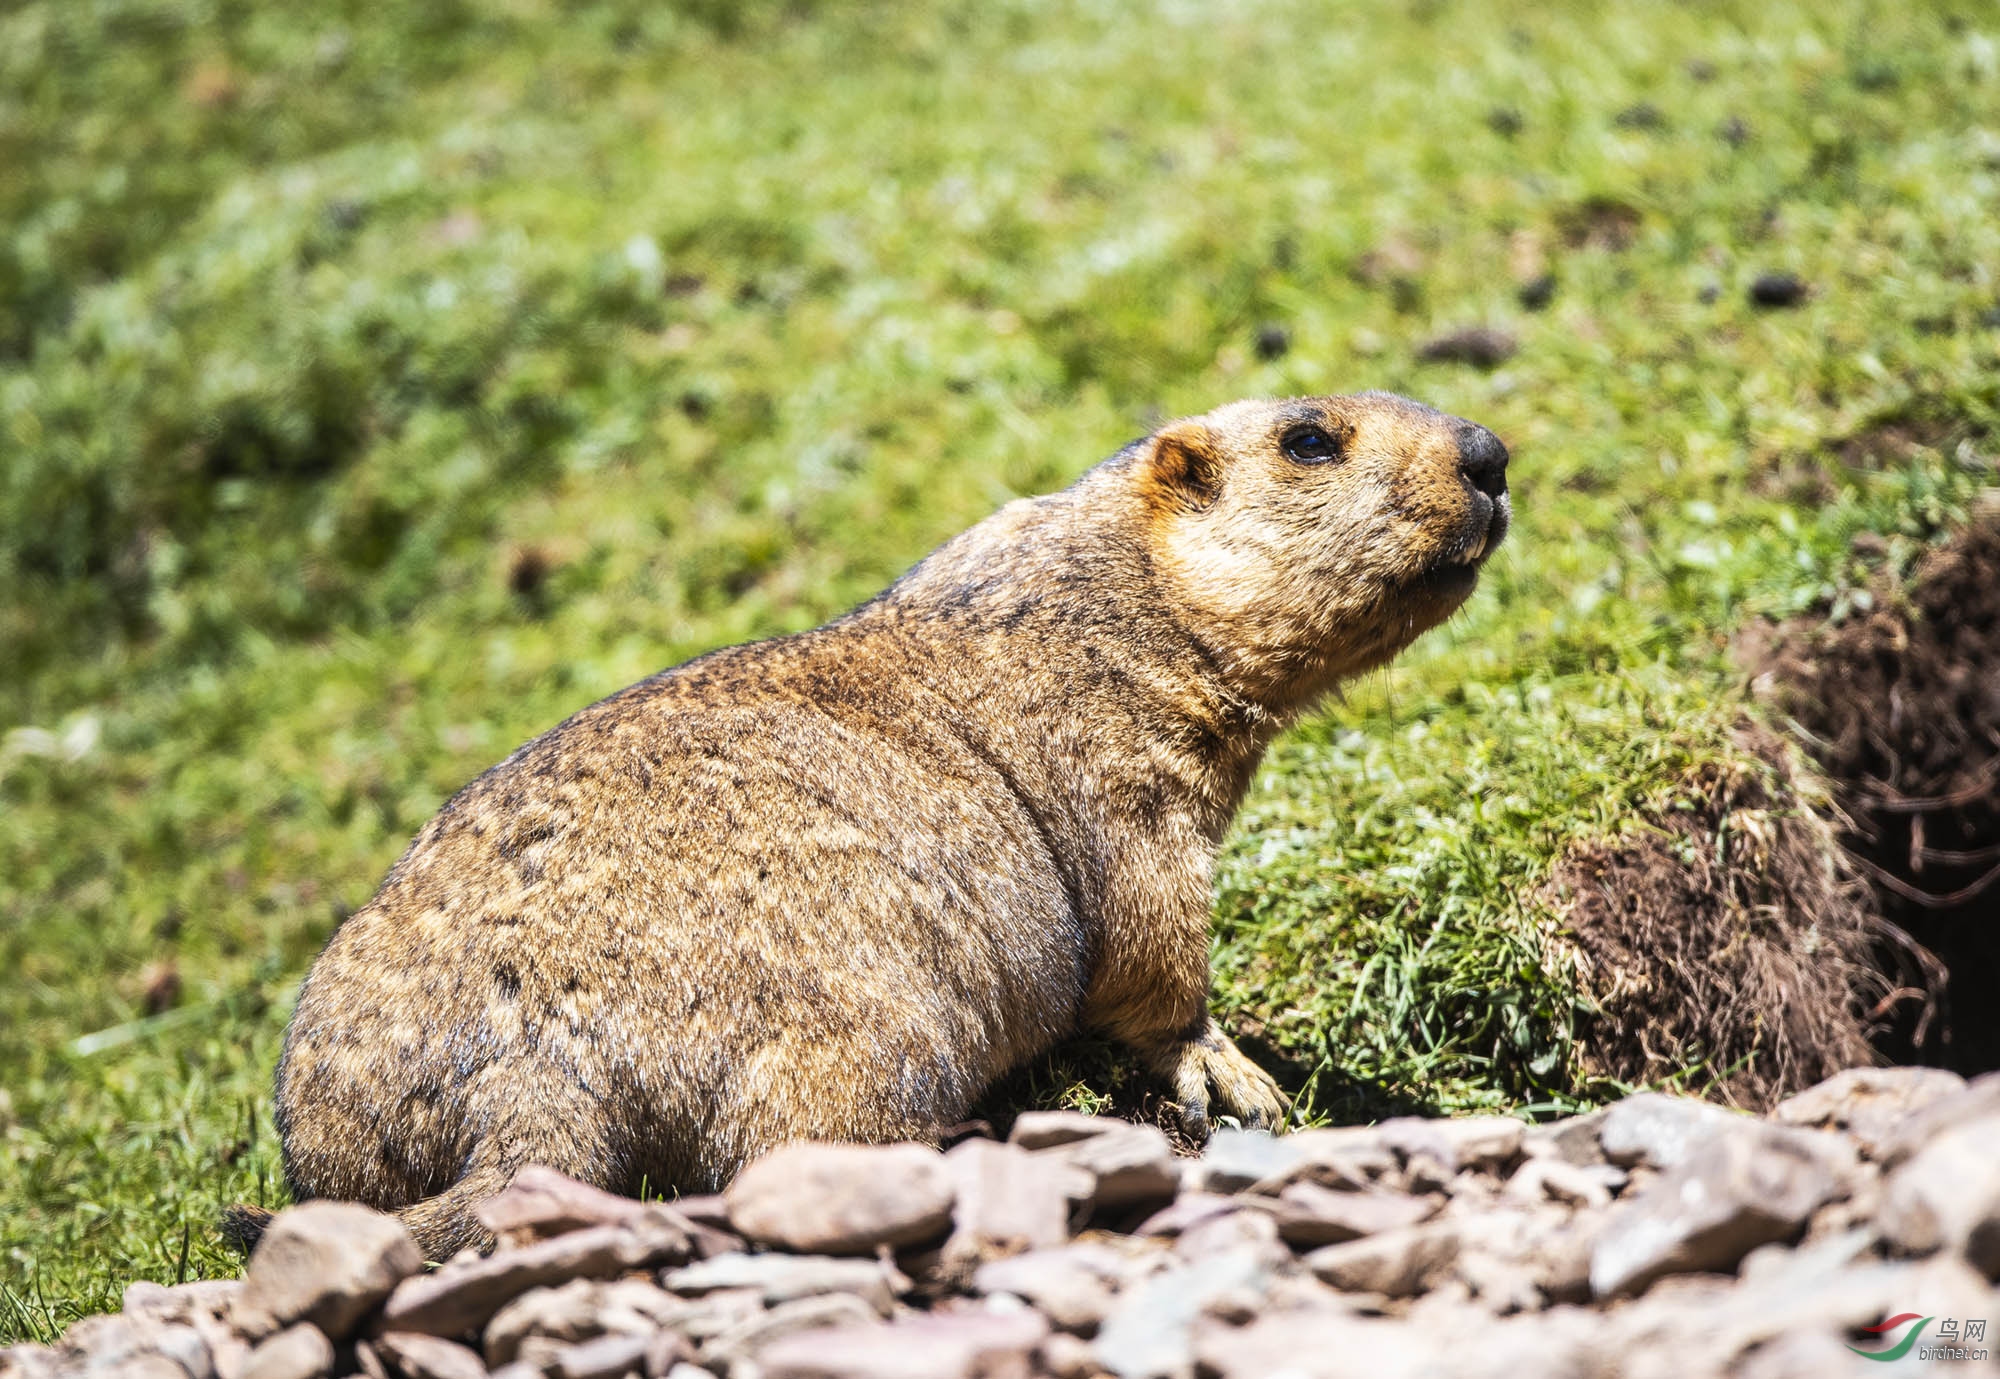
{"points": [[1482, 459]]}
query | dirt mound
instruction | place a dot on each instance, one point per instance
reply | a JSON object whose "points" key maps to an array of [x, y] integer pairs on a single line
{"points": [[1901, 708], [1727, 936]]}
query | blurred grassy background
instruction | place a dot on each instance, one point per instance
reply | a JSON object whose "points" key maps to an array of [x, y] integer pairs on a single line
{"points": [[379, 384]]}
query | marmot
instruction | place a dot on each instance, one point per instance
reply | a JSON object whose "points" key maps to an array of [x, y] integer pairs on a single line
{"points": [[831, 885]]}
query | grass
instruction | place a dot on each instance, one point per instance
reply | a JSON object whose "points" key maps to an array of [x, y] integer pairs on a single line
{"points": [[380, 384]]}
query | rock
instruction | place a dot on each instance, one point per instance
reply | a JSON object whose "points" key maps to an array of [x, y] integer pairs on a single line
{"points": [[1713, 1329], [579, 1311], [183, 1302], [1394, 1263], [1130, 1166], [1661, 1131], [1149, 1334], [541, 1202], [1948, 1196], [1514, 1260], [1234, 1160], [1731, 1193], [417, 1356], [300, 1351], [1345, 1157], [781, 1278], [121, 1343], [667, 1353], [1008, 1200], [720, 1312], [609, 1356], [1066, 1357], [207, 1305], [1468, 1142], [950, 1345], [1977, 1100], [27, 1361], [1554, 1179], [1190, 1209], [1333, 1345], [842, 1198], [1573, 1139], [1073, 1287], [328, 1263], [1254, 1232], [1867, 1103], [1048, 1129], [461, 1298], [748, 1339], [1311, 1216]]}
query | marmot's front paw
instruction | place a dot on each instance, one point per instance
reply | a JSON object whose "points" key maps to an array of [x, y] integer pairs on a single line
{"points": [[1211, 1064]]}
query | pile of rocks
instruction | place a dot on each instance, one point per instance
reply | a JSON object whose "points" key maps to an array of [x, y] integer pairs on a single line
{"points": [[1656, 1237]]}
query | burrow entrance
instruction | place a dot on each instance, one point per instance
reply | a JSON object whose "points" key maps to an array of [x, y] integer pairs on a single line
{"points": [[1900, 706]]}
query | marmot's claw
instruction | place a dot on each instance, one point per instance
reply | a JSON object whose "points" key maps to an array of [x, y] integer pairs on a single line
{"points": [[1212, 1064]]}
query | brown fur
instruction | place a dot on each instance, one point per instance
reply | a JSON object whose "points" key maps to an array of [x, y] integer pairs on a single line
{"points": [[832, 885]]}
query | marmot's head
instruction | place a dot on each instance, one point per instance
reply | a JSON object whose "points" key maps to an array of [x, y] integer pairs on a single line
{"points": [[1310, 539]]}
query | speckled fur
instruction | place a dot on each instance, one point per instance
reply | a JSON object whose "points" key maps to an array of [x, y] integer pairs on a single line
{"points": [[832, 885]]}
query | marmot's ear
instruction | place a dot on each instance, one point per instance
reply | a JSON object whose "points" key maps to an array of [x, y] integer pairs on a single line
{"points": [[1185, 464]]}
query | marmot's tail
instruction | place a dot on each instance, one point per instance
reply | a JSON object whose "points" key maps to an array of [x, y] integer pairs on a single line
{"points": [[444, 1224], [243, 1226]]}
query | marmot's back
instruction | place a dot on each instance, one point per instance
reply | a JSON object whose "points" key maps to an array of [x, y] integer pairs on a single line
{"points": [[676, 906], [832, 885]]}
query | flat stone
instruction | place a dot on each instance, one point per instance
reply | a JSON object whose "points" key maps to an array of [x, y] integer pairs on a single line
{"points": [[1190, 1209], [609, 1356], [1977, 1100], [1867, 1103], [417, 1356], [1149, 1334], [1073, 1287], [300, 1351], [750, 1338], [1557, 1180], [1130, 1166], [1718, 1328], [949, 1345], [1310, 1216], [1048, 1129], [1573, 1139], [1347, 1157], [1321, 1345], [842, 1199], [781, 1278], [1008, 1200], [462, 1298], [211, 1297], [1458, 1143], [580, 1310], [1947, 1196], [1394, 1263], [28, 1361], [328, 1263], [1662, 1131], [1732, 1192], [121, 1343], [1234, 1160]]}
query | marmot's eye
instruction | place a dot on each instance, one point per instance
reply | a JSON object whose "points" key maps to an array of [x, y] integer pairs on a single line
{"points": [[1310, 445]]}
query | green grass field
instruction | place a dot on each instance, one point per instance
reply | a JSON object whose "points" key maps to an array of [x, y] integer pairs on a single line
{"points": [[379, 384]]}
